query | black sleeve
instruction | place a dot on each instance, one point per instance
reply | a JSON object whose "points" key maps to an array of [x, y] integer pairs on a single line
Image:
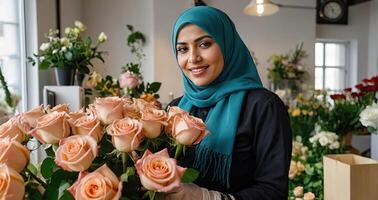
{"points": [[271, 151]]}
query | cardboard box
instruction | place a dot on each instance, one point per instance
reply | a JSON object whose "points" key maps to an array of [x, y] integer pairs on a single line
{"points": [[350, 177]]}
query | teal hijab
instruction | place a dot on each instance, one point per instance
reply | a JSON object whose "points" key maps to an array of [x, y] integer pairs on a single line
{"points": [[224, 95]]}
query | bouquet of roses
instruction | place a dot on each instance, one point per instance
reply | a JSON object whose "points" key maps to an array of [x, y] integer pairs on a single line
{"points": [[118, 148]]}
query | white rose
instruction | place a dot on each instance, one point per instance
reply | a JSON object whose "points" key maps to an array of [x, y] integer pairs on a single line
{"points": [[369, 116], [102, 37], [298, 191], [334, 145], [67, 30], [55, 51], [44, 46], [64, 49], [323, 140], [80, 25]]}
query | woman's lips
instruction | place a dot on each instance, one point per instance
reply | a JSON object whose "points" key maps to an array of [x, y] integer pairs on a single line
{"points": [[198, 71]]}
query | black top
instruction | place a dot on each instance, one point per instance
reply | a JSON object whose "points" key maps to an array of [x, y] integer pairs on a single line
{"points": [[262, 149]]}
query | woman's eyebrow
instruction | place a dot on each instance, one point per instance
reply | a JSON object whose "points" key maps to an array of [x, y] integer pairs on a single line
{"points": [[198, 39]]}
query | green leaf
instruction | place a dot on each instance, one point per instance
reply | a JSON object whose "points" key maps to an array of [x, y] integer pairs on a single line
{"points": [[67, 196], [58, 176], [88, 41], [44, 65], [190, 175], [154, 87], [32, 168], [129, 172], [68, 55], [62, 188], [151, 194], [51, 193], [47, 167]]}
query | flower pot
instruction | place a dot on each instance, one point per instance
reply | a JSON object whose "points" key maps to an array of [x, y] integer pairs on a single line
{"points": [[65, 76]]}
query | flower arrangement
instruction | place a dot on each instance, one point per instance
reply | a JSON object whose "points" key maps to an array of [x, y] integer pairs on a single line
{"points": [[118, 148], [131, 78], [306, 167], [70, 51], [288, 66], [369, 118]]}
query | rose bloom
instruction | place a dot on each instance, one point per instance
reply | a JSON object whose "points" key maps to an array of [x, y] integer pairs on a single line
{"points": [[73, 116], [76, 153], [126, 134], [141, 104], [60, 108], [188, 130], [109, 109], [93, 79], [30, 117], [153, 121], [308, 196], [87, 125], [293, 170], [128, 80], [13, 154], [131, 111], [100, 184], [298, 191], [300, 167], [51, 128], [158, 171], [11, 184], [369, 116], [172, 112], [11, 129]]}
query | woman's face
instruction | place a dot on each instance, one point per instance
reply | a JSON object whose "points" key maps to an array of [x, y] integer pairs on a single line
{"points": [[198, 55]]}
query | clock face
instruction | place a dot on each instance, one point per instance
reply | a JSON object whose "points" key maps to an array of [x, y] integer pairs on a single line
{"points": [[332, 10]]}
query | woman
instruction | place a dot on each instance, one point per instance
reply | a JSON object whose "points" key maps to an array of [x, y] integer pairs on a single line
{"points": [[248, 151]]}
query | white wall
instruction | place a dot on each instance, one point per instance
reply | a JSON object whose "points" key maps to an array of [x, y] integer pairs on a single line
{"points": [[357, 29], [265, 36], [373, 39], [112, 17]]}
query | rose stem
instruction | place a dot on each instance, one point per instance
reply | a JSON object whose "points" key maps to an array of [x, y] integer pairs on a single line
{"points": [[124, 161], [36, 178], [178, 150]]}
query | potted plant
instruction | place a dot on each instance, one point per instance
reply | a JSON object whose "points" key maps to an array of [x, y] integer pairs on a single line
{"points": [[70, 55]]}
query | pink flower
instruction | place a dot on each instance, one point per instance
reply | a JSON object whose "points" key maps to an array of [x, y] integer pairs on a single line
{"points": [[109, 109], [13, 154], [60, 108], [87, 125], [188, 130], [11, 129], [128, 80], [126, 134], [172, 112], [76, 153], [30, 117], [100, 184], [158, 171], [11, 184], [153, 121], [51, 128]]}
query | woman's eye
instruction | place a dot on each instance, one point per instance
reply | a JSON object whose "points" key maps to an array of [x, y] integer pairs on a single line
{"points": [[205, 44], [181, 49]]}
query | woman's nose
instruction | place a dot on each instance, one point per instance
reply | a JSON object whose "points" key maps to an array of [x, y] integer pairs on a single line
{"points": [[194, 57]]}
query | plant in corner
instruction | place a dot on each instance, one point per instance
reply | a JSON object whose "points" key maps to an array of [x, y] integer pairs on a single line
{"points": [[70, 55]]}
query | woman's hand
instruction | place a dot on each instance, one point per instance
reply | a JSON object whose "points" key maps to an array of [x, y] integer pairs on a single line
{"points": [[189, 191]]}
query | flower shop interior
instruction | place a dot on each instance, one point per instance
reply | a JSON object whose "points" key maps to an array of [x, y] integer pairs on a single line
{"points": [[319, 56]]}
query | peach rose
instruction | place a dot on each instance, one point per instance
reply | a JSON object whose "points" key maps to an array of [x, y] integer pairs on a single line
{"points": [[153, 121], [188, 130], [308, 196], [172, 112], [87, 125], [158, 171], [30, 117], [131, 111], [73, 116], [76, 153], [11, 184], [11, 129], [13, 154], [100, 184], [51, 128], [293, 170], [298, 191], [91, 110], [60, 108], [140, 103], [126, 134], [109, 109]]}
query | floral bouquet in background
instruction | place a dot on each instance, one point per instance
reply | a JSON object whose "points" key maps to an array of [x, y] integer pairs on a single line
{"points": [[369, 118], [306, 167], [69, 52], [118, 148], [131, 78]]}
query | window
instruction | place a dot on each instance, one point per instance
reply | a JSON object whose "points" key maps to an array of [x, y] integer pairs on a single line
{"points": [[331, 65], [12, 51]]}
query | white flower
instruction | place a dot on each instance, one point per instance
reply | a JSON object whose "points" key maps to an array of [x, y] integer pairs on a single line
{"points": [[64, 49], [298, 138], [44, 46], [67, 30], [41, 58], [55, 51], [334, 145], [80, 25], [64, 41], [102, 37], [298, 191], [282, 94], [369, 116]]}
